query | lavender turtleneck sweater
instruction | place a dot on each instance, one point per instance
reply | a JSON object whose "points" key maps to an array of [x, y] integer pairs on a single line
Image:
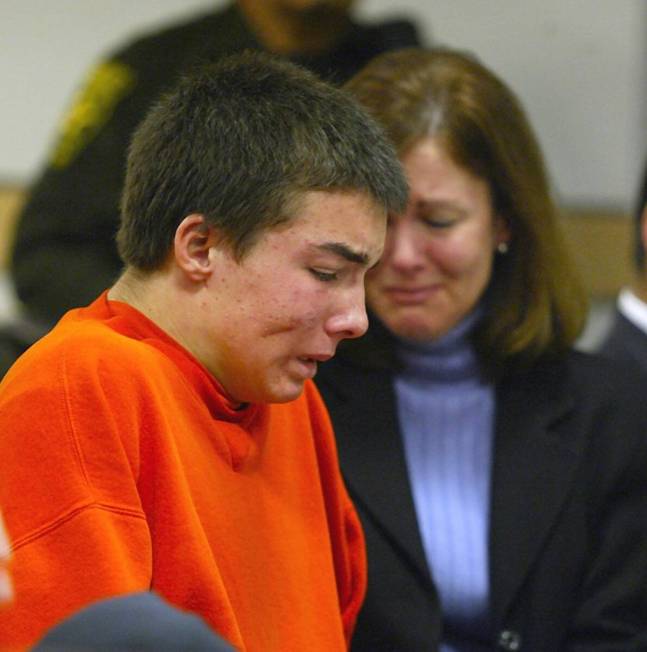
{"points": [[446, 415]]}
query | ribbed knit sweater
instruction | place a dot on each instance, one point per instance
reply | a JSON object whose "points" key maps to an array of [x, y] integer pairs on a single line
{"points": [[446, 414]]}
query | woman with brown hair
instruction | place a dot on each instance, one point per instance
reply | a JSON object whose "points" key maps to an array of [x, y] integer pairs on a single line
{"points": [[500, 475]]}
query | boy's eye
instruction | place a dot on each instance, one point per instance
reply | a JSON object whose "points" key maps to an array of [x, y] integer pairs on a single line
{"points": [[326, 277]]}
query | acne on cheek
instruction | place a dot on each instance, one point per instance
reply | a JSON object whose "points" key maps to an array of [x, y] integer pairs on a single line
{"points": [[285, 315], [301, 306], [306, 307]]}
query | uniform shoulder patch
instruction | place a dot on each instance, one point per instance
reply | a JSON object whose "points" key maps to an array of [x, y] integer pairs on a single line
{"points": [[91, 108]]}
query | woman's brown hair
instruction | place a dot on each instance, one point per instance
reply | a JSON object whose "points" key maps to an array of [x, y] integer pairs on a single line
{"points": [[535, 302]]}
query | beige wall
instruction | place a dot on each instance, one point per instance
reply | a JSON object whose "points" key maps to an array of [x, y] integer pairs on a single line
{"points": [[577, 65], [601, 245]]}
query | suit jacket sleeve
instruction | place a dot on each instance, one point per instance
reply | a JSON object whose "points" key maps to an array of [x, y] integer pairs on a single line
{"points": [[612, 605]]}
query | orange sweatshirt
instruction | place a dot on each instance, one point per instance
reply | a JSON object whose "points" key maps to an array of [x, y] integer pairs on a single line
{"points": [[123, 467]]}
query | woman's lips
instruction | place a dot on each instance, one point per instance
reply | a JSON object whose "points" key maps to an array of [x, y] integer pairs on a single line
{"points": [[410, 296]]}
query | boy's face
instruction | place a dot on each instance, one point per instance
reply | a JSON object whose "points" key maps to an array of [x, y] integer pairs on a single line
{"points": [[299, 291]]}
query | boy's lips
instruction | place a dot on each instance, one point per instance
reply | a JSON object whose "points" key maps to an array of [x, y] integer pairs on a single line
{"points": [[308, 363]]}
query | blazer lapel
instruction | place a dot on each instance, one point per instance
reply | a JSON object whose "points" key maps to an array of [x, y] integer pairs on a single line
{"points": [[532, 471], [372, 459], [626, 342]]}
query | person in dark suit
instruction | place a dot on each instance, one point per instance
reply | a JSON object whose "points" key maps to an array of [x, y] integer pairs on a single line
{"points": [[627, 338], [500, 475]]}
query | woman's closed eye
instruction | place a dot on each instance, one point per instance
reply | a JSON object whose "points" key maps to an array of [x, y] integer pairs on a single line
{"points": [[438, 222]]}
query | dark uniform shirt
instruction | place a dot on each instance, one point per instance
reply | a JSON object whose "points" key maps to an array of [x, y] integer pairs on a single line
{"points": [[65, 253]]}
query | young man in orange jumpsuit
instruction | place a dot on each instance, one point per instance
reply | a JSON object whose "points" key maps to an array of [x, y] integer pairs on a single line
{"points": [[168, 436]]}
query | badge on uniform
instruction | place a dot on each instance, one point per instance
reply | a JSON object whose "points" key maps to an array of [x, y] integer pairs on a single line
{"points": [[92, 107]]}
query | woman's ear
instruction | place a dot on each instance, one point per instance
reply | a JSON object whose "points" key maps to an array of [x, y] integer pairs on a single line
{"points": [[194, 240], [502, 235]]}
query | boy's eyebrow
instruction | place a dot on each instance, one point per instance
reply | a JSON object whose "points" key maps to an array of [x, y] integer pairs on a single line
{"points": [[344, 251]]}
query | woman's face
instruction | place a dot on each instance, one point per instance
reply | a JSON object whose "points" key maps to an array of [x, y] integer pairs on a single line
{"points": [[438, 255]]}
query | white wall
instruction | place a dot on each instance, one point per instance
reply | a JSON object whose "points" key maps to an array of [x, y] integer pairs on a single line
{"points": [[578, 66], [580, 69]]}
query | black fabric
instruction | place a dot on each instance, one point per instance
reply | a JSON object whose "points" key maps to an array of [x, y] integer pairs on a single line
{"points": [[15, 337], [626, 342], [568, 524], [64, 253], [139, 621]]}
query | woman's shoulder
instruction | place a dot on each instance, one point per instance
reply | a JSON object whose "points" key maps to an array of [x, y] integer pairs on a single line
{"points": [[603, 374], [583, 370], [587, 392], [594, 405]]}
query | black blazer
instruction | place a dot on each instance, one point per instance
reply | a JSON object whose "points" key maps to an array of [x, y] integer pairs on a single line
{"points": [[568, 530], [626, 342]]}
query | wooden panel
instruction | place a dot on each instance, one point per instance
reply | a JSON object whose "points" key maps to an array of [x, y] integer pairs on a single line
{"points": [[601, 245]]}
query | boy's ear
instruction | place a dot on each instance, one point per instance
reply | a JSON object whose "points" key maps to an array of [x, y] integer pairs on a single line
{"points": [[194, 240]]}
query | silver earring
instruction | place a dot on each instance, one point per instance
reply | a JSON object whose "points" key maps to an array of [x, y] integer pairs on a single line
{"points": [[502, 247]]}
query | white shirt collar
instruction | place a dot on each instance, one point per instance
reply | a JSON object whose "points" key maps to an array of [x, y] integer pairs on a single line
{"points": [[633, 308]]}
